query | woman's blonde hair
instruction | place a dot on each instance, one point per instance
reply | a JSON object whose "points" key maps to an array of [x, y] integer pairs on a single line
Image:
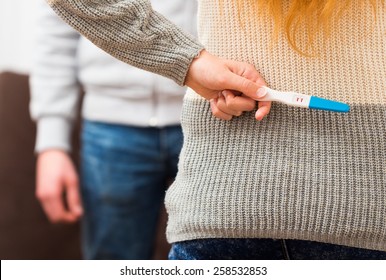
{"points": [[304, 17]]}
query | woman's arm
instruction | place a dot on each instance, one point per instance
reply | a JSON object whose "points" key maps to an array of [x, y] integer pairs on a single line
{"points": [[133, 32]]}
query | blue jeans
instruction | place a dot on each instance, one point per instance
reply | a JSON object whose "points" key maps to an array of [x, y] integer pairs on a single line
{"points": [[267, 249], [124, 174]]}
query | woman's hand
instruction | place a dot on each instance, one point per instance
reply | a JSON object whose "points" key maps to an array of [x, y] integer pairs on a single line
{"points": [[221, 81], [229, 104]]}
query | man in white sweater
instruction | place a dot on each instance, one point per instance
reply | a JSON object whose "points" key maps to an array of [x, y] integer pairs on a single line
{"points": [[131, 136]]}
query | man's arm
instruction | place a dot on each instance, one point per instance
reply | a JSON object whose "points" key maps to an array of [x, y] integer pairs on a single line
{"points": [[53, 81], [54, 99]]}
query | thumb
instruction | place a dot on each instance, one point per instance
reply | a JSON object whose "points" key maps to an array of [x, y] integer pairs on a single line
{"points": [[239, 83]]}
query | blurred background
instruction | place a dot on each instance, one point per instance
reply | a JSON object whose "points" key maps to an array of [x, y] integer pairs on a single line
{"points": [[25, 232], [16, 35]]}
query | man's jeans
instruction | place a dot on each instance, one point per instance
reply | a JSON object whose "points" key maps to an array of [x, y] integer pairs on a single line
{"points": [[124, 174], [267, 249]]}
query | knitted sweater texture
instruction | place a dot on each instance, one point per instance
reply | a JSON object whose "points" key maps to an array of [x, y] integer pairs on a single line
{"points": [[133, 32], [299, 173]]}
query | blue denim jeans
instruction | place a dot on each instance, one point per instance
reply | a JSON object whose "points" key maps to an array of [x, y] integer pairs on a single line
{"points": [[267, 249], [124, 174]]}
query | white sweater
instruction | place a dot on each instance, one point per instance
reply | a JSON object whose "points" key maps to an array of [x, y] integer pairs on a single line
{"points": [[65, 62]]}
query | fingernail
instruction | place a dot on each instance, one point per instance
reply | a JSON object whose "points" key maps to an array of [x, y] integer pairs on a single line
{"points": [[258, 116], [224, 93], [261, 92]]}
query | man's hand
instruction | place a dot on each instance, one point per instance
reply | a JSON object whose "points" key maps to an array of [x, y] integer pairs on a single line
{"points": [[221, 81], [57, 187]]}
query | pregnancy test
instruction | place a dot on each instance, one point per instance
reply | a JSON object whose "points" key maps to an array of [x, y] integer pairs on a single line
{"points": [[304, 101]]}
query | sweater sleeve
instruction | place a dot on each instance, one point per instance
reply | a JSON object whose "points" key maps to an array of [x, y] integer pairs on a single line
{"points": [[53, 80], [133, 32]]}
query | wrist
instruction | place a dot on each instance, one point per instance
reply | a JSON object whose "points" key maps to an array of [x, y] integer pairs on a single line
{"points": [[52, 151], [202, 55]]}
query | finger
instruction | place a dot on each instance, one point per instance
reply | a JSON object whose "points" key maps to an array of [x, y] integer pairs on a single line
{"points": [[249, 88], [217, 112], [263, 110], [56, 212], [223, 107], [247, 71], [49, 193], [247, 79], [238, 102], [73, 195]]}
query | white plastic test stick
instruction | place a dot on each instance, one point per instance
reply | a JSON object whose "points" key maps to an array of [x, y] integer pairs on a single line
{"points": [[304, 101]]}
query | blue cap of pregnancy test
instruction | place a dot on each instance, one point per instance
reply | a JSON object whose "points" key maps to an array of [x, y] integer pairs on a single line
{"points": [[329, 105]]}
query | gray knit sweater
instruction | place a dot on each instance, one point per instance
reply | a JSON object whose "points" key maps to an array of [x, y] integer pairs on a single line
{"points": [[298, 174], [133, 32]]}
